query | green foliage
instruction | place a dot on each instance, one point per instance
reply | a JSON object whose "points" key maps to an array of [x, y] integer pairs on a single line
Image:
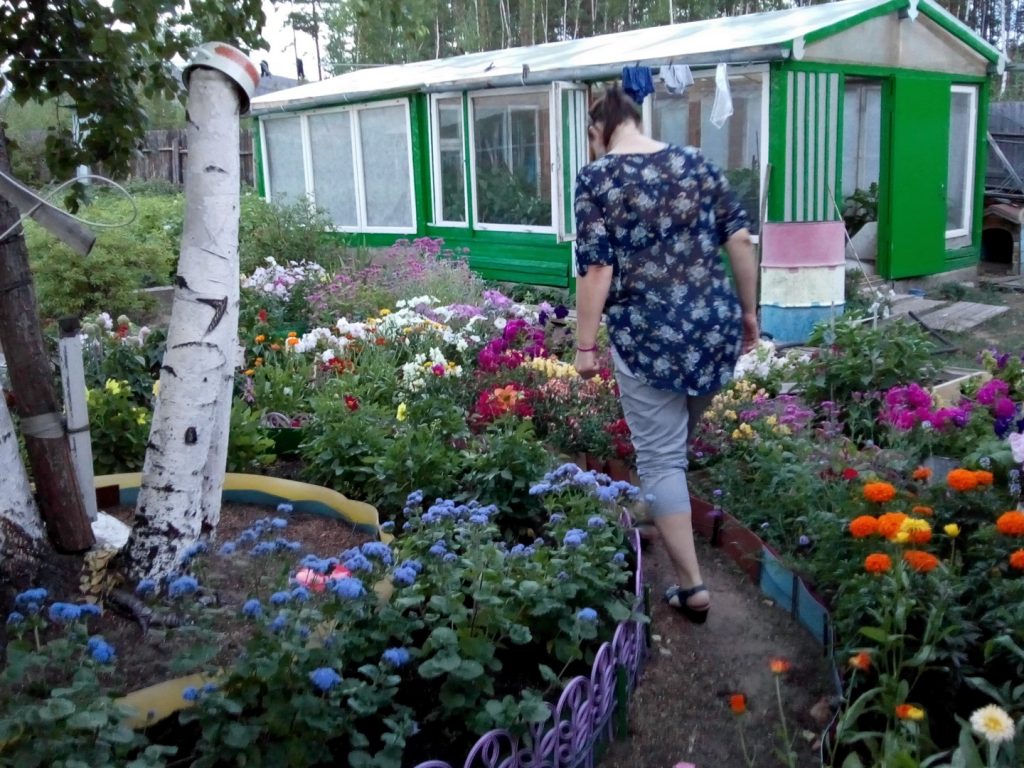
{"points": [[504, 198], [105, 50], [56, 705], [119, 428], [249, 446], [124, 259], [855, 361], [860, 208], [286, 233]]}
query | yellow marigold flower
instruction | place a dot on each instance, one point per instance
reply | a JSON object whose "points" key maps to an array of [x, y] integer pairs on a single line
{"points": [[900, 537], [909, 712], [772, 420], [736, 435], [918, 531], [249, 371], [952, 530], [384, 312], [730, 415], [402, 413], [993, 723]]}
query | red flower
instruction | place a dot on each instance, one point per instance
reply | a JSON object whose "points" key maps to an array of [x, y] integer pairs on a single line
{"points": [[351, 403], [262, 315], [850, 474], [122, 331]]}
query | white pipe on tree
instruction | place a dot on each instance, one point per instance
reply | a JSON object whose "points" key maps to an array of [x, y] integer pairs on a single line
{"points": [[183, 473]]}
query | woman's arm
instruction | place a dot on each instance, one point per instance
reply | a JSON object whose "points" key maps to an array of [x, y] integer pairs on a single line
{"points": [[591, 294], [743, 260]]}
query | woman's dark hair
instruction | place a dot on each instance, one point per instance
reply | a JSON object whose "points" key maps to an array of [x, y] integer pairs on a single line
{"points": [[612, 109]]}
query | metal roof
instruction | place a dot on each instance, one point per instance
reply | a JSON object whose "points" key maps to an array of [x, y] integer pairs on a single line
{"points": [[751, 38]]}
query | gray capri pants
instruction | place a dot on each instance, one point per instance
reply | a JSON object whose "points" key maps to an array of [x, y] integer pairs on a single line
{"points": [[659, 421]]}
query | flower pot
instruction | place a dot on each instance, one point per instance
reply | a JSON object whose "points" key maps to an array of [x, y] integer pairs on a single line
{"points": [[595, 464], [618, 470]]}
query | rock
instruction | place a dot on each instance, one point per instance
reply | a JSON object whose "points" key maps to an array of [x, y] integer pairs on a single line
{"points": [[110, 532]]}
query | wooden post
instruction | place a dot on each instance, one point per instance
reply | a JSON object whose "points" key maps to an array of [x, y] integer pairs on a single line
{"points": [[59, 497], [76, 411]]}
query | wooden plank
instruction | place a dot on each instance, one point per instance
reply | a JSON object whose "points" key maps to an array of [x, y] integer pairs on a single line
{"points": [[902, 304], [1004, 282], [961, 316]]}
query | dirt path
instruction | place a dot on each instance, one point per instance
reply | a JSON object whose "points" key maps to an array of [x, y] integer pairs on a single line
{"points": [[680, 711]]}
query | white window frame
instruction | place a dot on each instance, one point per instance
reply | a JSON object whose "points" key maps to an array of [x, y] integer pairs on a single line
{"points": [[437, 209], [966, 223], [763, 70], [552, 116], [357, 163]]}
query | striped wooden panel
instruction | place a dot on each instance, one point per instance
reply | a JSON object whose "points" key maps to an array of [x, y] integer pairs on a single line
{"points": [[812, 146]]}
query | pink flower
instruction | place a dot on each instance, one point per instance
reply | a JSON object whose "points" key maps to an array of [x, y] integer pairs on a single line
{"points": [[992, 390]]}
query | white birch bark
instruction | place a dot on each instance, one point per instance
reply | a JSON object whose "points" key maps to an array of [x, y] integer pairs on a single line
{"points": [[19, 516], [184, 467]]}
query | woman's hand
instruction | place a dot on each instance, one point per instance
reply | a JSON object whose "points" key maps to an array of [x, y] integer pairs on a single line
{"points": [[751, 332], [586, 364]]}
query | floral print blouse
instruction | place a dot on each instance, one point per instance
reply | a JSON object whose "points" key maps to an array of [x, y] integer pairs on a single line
{"points": [[659, 220]]}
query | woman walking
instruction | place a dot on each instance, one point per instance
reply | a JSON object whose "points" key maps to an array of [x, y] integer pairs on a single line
{"points": [[651, 219]]}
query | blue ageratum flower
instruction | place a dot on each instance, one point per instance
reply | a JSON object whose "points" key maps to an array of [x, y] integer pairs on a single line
{"points": [[145, 588], [14, 618], [587, 614], [317, 564], [182, 586], [30, 599], [324, 678], [404, 576], [285, 509], [540, 488], [252, 608], [414, 499], [574, 538], [64, 612], [396, 657], [557, 518], [388, 526], [415, 565], [101, 651], [227, 548], [279, 523], [280, 598], [279, 623], [349, 588], [450, 557], [596, 522], [190, 694], [619, 557], [196, 549], [248, 536], [301, 594], [357, 562], [606, 493], [88, 609], [478, 519], [263, 548], [376, 550], [438, 549]]}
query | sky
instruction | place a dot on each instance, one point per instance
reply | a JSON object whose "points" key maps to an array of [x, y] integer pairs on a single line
{"points": [[278, 34]]}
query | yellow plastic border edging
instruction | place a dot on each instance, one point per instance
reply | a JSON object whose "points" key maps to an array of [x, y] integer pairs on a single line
{"points": [[158, 702], [271, 491]]}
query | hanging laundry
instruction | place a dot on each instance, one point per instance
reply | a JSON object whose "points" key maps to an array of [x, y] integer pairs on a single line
{"points": [[676, 77], [637, 83], [721, 110]]}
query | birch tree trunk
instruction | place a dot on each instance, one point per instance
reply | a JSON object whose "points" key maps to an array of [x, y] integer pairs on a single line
{"points": [[22, 539], [183, 473]]}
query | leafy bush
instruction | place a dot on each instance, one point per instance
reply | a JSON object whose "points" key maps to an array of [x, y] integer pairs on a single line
{"points": [[124, 259], [294, 232], [119, 428], [249, 445]]}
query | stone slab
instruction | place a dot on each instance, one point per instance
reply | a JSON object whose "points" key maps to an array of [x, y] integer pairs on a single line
{"points": [[961, 316]]}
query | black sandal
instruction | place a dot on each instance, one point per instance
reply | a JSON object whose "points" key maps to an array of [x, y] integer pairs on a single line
{"points": [[676, 597]]}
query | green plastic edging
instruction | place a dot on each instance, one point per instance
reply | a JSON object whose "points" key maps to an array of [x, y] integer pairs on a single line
{"points": [[271, 491]]}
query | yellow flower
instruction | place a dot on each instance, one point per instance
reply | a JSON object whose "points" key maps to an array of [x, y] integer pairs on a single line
{"points": [[140, 416], [901, 537], [909, 712], [772, 420], [113, 386], [156, 387], [402, 413], [249, 371], [260, 339], [730, 415], [384, 312], [952, 530]]}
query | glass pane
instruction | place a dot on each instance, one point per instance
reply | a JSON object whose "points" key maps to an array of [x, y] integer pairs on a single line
{"points": [[961, 140], [334, 186], [284, 159], [453, 171], [512, 153], [862, 136], [384, 132], [735, 147]]}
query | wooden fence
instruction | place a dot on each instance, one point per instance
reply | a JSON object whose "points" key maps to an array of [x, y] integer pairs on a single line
{"points": [[161, 156]]}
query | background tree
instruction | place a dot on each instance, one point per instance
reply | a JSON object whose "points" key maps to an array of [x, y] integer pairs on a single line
{"points": [[105, 58]]}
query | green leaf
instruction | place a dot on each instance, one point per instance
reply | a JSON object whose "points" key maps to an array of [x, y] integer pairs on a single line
{"points": [[519, 635], [548, 674], [875, 633], [469, 669], [87, 721], [238, 736], [55, 709]]}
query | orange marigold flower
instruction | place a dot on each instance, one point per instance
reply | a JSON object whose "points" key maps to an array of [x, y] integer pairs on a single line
{"points": [[923, 511], [863, 526], [276, 347], [249, 371], [922, 473], [889, 523], [779, 666], [292, 341], [738, 703], [1017, 560], [983, 477], [292, 334], [1011, 523], [861, 661], [922, 562], [962, 480], [260, 339], [879, 492], [877, 563], [909, 712]]}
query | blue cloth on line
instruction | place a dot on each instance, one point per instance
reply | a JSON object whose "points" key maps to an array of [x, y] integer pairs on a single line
{"points": [[637, 83]]}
